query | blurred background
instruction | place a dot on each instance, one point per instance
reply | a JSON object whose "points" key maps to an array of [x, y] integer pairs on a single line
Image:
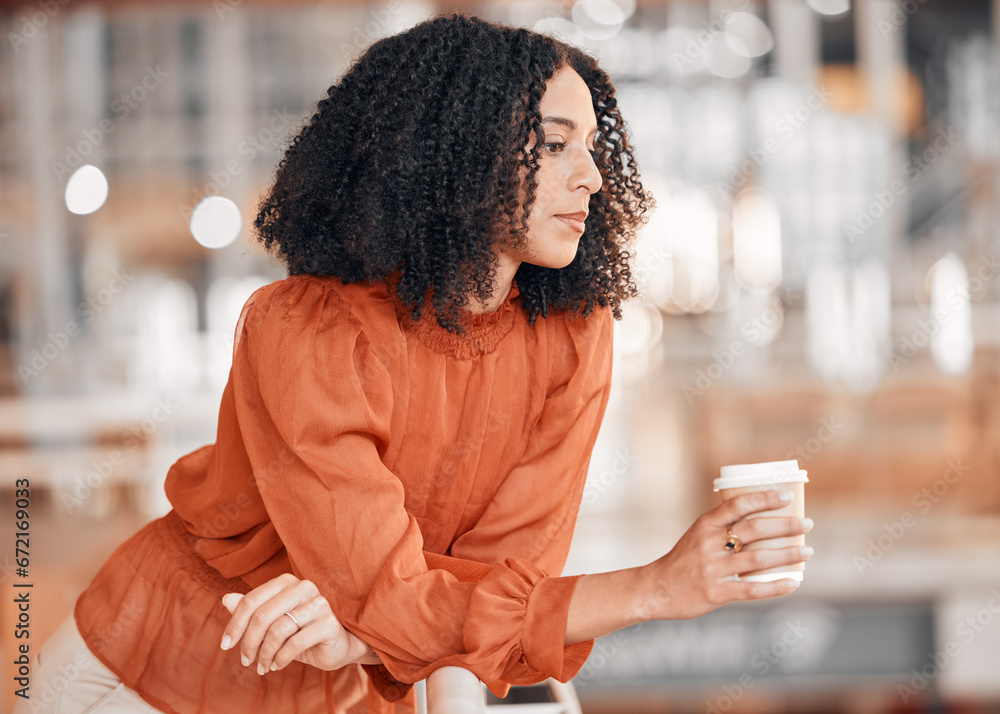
{"points": [[817, 280]]}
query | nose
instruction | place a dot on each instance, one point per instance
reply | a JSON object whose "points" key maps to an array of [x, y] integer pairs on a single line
{"points": [[586, 174]]}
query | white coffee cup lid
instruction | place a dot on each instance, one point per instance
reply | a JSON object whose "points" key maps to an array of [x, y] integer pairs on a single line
{"points": [[762, 474]]}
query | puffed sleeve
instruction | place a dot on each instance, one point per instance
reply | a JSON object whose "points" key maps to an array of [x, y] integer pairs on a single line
{"points": [[533, 514], [314, 405]]}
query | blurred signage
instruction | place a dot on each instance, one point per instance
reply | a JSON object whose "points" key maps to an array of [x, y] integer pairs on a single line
{"points": [[804, 643]]}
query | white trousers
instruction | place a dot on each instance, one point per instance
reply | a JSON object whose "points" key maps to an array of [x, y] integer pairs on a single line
{"points": [[66, 678]]}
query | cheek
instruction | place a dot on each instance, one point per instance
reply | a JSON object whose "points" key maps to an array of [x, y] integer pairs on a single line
{"points": [[550, 181]]}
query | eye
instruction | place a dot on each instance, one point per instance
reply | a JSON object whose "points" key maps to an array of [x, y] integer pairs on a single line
{"points": [[554, 147]]}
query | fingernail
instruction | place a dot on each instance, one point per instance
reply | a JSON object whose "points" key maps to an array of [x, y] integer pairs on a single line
{"points": [[807, 551], [792, 584], [807, 524], [274, 666], [786, 496], [245, 660], [260, 668], [227, 642]]}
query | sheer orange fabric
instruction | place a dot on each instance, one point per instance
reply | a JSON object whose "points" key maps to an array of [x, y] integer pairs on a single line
{"points": [[428, 484]]}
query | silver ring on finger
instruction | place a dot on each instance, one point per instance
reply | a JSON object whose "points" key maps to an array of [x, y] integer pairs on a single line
{"points": [[294, 620]]}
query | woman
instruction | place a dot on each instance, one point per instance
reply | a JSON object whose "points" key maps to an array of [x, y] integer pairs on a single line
{"points": [[405, 434]]}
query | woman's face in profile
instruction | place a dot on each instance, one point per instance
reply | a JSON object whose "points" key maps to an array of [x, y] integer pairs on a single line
{"points": [[567, 174]]}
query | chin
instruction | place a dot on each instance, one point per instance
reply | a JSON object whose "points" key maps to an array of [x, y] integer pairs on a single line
{"points": [[567, 262], [554, 260], [556, 250]]}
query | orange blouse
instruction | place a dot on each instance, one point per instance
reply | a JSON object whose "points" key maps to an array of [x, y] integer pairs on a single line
{"points": [[427, 483]]}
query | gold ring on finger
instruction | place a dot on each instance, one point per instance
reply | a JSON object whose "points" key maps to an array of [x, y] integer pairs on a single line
{"points": [[734, 544]]}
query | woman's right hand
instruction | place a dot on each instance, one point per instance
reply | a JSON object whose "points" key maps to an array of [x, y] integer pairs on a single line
{"points": [[697, 575]]}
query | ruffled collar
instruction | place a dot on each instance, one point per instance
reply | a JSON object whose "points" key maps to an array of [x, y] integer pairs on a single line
{"points": [[483, 332]]}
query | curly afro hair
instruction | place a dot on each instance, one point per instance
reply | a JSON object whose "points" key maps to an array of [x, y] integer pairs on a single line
{"points": [[409, 172]]}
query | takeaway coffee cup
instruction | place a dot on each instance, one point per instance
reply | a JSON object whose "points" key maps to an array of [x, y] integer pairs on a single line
{"points": [[768, 476]]}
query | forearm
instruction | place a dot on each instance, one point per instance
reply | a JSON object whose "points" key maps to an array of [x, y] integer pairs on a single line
{"points": [[603, 603]]}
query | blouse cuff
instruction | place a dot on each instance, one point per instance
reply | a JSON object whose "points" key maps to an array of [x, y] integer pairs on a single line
{"points": [[545, 630], [388, 687], [536, 607], [519, 643]]}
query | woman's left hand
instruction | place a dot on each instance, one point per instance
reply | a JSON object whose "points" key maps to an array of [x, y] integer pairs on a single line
{"points": [[261, 626]]}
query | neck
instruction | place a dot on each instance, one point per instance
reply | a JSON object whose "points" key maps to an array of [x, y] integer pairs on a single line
{"points": [[506, 270]]}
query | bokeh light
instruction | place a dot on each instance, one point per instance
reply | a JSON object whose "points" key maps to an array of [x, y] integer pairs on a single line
{"points": [[216, 222], [86, 190]]}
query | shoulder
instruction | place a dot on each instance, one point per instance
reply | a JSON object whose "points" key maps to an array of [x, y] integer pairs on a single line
{"points": [[301, 340], [572, 331], [318, 312], [580, 346], [318, 299]]}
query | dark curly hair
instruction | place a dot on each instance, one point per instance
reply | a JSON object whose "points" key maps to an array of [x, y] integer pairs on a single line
{"points": [[409, 172]]}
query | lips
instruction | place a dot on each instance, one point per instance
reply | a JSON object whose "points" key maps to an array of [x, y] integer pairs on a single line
{"points": [[576, 221]]}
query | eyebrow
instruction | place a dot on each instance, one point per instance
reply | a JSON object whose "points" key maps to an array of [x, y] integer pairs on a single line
{"points": [[568, 123]]}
